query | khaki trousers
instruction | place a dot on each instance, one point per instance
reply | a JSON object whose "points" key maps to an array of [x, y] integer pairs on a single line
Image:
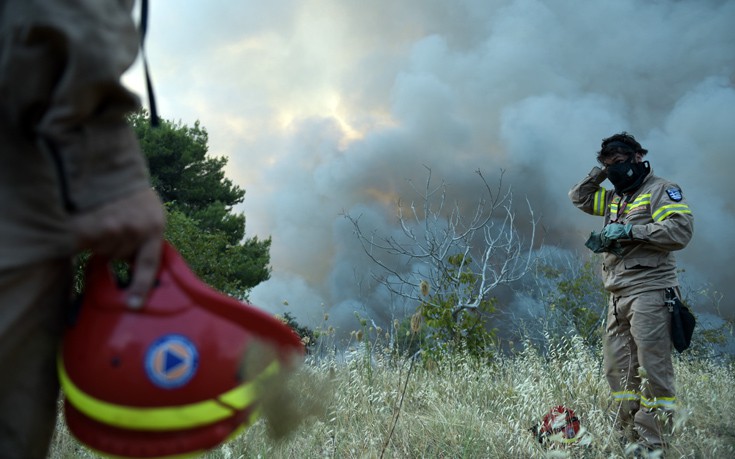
{"points": [[638, 366], [33, 305]]}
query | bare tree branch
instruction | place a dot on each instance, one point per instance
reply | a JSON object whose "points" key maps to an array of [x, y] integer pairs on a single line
{"points": [[484, 239]]}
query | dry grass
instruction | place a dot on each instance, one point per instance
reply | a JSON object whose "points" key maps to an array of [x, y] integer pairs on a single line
{"points": [[464, 410]]}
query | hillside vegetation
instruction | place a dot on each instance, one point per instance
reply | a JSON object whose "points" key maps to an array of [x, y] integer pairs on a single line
{"points": [[375, 404]]}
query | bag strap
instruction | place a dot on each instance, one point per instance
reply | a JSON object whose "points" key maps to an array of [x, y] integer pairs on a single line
{"points": [[670, 299], [148, 81]]}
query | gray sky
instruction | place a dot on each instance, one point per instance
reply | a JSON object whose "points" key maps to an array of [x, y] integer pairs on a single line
{"points": [[330, 106]]}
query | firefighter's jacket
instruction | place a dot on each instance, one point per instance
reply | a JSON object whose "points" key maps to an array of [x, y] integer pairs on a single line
{"points": [[662, 223], [65, 145]]}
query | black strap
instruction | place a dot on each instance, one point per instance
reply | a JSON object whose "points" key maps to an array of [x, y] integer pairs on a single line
{"points": [[621, 208], [615, 308], [148, 82]]}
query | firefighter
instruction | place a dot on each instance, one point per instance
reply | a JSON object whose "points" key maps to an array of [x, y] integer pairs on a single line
{"points": [[646, 219], [72, 178]]}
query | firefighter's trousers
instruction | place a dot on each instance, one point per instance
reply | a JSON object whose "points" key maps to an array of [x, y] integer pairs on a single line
{"points": [[638, 366], [33, 306]]}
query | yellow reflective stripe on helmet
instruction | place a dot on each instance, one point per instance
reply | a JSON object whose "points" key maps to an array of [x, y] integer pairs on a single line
{"points": [[659, 402], [242, 396], [157, 418], [625, 395], [598, 206], [149, 418], [665, 211]]}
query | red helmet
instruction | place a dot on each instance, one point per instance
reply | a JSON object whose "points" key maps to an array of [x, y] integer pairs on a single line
{"points": [[561, 421], [169, 379]]}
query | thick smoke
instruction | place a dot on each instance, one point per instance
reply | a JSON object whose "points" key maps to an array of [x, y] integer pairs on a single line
{"points": [[327, 107]]}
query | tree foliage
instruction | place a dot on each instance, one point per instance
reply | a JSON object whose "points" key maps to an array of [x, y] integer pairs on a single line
{"points": [[233, 269], [443, 327], [582, 297], [574, 296], [307, 335], [199, 200]]}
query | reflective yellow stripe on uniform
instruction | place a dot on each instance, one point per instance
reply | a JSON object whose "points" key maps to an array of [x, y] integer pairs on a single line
{"points": [[625, 396], [665, 211], [163, 418], [668, 403], [598, 206], [642, 200]]}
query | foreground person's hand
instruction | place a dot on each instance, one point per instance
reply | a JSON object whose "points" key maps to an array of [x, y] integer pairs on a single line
{"points": [[131, 229]]}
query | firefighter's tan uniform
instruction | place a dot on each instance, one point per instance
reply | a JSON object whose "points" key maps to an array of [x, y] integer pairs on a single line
{"points": [[638, 345], [64, 147]]}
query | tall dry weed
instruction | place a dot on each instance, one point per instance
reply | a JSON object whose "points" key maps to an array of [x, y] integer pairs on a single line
{"points": [[467, 409]]}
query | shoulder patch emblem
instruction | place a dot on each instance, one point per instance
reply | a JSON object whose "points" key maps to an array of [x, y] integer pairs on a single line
{"points": [[674, 194]]}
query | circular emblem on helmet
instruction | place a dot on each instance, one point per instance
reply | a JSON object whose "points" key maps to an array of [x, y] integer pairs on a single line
{"points": [[171, 361]]}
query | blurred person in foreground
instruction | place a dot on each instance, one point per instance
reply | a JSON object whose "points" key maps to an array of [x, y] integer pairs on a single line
{"points": [[646, 218], [72, 178]]}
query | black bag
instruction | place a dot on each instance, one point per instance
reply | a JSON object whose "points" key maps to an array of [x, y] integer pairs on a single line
{"points": [[682, 322]]}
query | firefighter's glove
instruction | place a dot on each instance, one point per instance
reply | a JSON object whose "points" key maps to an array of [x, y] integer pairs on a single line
{"points": [[594, 242], [616, 231], [598, 243]]}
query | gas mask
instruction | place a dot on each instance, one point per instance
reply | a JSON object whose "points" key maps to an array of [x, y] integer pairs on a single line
{"points": [[627, 176]]}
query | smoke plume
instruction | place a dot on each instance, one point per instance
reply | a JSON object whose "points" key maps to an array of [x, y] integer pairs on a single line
{"points": [[327, 107]]}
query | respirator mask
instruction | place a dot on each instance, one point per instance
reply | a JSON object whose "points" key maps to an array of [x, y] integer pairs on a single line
{"points": [[627, 176]]}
